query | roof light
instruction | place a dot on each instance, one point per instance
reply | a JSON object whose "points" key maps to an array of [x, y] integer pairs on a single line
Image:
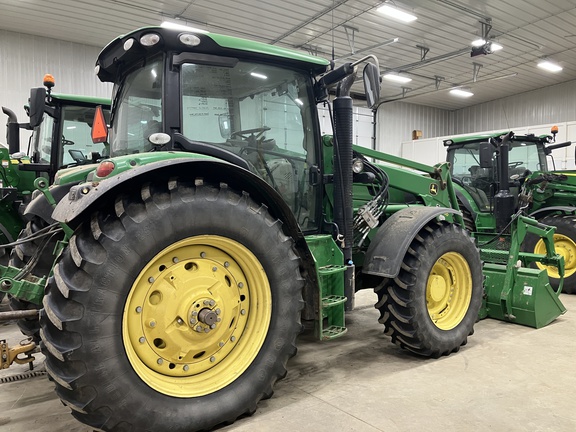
{"points": [[150, 39], [159, 138], [189, 39], [478, 42], [461, 92], [395, 13], [128, 44], [299, 101], [258, 75], [176, 26], [549, 66], [48, 81], [397, 78]]}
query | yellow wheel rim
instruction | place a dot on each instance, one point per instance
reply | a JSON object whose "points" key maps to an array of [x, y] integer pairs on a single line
{"points": [[564, 246], [449, 290], [197, 316]]}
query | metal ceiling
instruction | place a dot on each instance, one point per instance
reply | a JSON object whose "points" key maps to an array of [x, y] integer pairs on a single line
{"points": [[528, 30]]}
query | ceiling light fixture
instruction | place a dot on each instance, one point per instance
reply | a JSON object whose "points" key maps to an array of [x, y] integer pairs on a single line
{"points": [[549, 66], [461, 92], [397, 78], [176, 26], [395, 13], [493, 46]]}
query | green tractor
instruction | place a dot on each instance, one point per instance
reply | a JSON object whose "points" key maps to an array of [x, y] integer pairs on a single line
{"points": [[223, 223], [61, 126], [478, 164]]}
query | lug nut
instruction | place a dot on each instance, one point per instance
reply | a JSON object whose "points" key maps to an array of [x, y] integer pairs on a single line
{"points": [[142, 339], [139, 309], [179, 321], [217, 311], [159, 361], [175, 260], [198, 329], [186, 367], [243, 312], [240, 285], [212, 303], [193, 321], [212, 359], [152, 323], [226, 264], [151, 279], [202, 254]]}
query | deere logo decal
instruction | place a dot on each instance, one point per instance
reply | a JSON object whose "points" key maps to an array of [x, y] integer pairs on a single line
{"points": [[433, 189]]}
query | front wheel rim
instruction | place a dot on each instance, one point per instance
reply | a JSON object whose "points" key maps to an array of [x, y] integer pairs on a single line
{"points": [[449, 290], [196, 316], [564, 246]]}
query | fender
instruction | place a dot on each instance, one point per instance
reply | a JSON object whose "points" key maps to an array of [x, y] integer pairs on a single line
{"points": [[545, 211], [388, 248], [463, 199], [86, 197], [42, 208]]}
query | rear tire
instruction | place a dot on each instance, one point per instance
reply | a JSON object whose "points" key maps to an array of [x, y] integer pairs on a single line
{"points": [[431, 306], [565, 245], [128, 316]]}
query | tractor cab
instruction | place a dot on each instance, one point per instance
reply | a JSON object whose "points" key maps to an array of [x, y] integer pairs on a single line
{"points": [[475, 165]]}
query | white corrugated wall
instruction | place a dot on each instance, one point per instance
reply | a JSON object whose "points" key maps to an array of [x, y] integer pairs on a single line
{"points": [[24, 59], [554, 104], [397, 120]]}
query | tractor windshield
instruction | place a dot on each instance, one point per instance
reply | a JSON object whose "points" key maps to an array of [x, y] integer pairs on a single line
{"points": [[481, 182], [137, 110], [71, 133]]}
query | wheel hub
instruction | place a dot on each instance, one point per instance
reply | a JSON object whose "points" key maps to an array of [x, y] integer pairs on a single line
{"points": [[564, 246], [189, 309], [449, 290]]}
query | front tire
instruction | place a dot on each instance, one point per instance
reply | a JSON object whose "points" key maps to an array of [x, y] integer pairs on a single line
{"points": [[565, 245], [431, 306], [175, 310]]}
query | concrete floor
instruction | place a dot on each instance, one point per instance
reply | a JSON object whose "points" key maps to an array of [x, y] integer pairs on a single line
{"points": [[508, 378]]}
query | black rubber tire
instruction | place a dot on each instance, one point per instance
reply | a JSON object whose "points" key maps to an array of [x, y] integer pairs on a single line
{"points": [[19, 256], [566, 226], [82, 319], [402, 301]]}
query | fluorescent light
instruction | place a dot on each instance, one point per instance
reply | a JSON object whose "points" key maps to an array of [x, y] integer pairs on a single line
{"points": [[70, 127], [174, 26], [478, 42], [549, 66], [258, 75], [461, 92], [392, 12], [154, 74], [299, 102], [397, 78]]}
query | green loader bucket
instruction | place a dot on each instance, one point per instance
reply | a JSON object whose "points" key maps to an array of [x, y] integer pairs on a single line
{"points": [[531, 301]]}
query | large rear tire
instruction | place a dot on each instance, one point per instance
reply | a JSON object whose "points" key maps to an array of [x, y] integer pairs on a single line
{"points": [[430, 308], [175, 309], [565, 245]]}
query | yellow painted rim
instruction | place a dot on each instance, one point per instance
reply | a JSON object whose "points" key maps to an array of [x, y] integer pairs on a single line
{"points": [[564, 246], [449, 290], [197, 316]]}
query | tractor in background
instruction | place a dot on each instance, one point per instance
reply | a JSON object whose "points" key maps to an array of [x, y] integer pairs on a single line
{"points": [[481, 169], [60, 139], [223, 223]]}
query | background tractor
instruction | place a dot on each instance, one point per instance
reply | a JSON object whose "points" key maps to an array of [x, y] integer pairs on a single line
{"points": [[60, 139], [478, 164], [223, 222]]}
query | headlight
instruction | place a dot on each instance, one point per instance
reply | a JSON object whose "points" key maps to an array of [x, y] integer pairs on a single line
{"points": [[357, 165]]}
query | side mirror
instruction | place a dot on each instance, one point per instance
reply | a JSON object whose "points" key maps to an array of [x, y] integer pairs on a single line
{"points": [[371, 76], [485, 155], [37, 100], [224, 122]]}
